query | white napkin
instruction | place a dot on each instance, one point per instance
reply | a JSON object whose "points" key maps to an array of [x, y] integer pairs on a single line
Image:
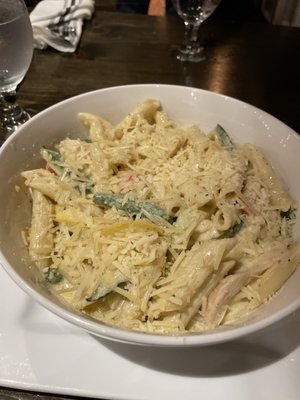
{"points": [[58, 23]]}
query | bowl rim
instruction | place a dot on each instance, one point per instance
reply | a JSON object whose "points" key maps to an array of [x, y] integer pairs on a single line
{"points": [[206, 92], [116, 334], [112, 333]]}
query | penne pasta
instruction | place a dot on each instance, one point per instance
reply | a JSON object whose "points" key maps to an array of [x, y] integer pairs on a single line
{"points": [[159, 227]]}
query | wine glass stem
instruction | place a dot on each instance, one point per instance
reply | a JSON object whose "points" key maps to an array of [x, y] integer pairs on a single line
{"points": [[11, 114], [191, 35]]}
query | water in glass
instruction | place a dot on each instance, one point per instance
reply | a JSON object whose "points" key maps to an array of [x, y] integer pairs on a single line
{"points": [[16, 48]]}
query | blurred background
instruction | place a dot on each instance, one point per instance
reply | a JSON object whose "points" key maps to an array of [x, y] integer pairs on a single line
{"points": [[277, 12]]}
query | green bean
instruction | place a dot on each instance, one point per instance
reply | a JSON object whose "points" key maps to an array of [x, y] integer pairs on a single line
{"points": [[232, 231], [289, 214], [53, 276], [110, 280], [133, 207], [223, 137], [57, 164], [54, 160]]}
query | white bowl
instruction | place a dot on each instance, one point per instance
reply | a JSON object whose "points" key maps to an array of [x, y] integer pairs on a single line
{"points": [[244, 122]]}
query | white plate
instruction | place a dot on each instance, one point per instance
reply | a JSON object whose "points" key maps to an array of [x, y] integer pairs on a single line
{"points": [[41, 352]]}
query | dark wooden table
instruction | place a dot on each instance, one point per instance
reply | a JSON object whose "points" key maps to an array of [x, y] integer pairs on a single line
{"points": [[247, 58]]}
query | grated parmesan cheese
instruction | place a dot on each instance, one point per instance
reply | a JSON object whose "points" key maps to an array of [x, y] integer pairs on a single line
{"points": [[201, 235]]}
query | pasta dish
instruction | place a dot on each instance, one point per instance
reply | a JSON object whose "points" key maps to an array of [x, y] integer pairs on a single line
{"points": [[156, 226]]}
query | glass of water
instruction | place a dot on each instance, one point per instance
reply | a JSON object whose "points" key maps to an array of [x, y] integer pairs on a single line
{"points": [[193, 13], [16, 48]]}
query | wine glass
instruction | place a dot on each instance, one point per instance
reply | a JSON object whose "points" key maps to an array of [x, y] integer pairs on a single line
{"points": [[16, 49], [193, 13]]}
